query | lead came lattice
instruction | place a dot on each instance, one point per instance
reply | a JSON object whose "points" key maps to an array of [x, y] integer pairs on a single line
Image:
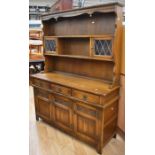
{"points": [[50, 45], [103, 47]]}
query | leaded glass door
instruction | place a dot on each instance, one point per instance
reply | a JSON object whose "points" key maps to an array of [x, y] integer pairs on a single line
{"points": [[102, 47], [50, 45]]}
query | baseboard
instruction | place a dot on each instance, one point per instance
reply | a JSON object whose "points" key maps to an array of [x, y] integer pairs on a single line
{"points": [[121, 132]]}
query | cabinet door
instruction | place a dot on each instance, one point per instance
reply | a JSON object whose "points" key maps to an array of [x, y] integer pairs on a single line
{"points": [[42, 104], [86, 123], [63, 112], [102, 47], [43, 108], [50, 45]]}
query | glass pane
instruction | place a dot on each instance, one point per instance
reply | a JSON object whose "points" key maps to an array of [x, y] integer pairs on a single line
{"points": [[103, 47], [50, 45]]}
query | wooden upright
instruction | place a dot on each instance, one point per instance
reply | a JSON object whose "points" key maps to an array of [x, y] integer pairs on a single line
{"points": [[78, 92]]}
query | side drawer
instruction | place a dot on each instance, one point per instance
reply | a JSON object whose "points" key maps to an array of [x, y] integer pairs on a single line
{"points": [[86, 96], [61, 89], [41, 83]]}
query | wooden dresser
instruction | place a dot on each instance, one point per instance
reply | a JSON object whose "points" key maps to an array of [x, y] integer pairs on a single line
{"points": [[79, 90]]}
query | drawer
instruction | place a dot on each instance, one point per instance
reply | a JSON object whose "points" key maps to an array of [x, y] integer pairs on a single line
{"points": [[86, 96], [61, 89], [110, 112], [41, 83]]}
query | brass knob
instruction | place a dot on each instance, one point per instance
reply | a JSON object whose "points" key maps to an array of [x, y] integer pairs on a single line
{"points": [[112, 108], [84, 97]]}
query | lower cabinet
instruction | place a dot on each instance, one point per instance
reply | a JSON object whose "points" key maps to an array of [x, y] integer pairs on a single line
{"points": [[91, 124], [63, 112], [87, 116]]}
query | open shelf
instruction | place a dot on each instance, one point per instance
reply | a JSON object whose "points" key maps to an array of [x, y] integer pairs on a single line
{"points": [[74, 46]]}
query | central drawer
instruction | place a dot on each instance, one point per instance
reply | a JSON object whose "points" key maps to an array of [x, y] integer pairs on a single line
{"points": [[86, 96], [61, 89]]}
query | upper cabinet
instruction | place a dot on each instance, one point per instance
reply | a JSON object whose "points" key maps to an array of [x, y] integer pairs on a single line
{"points": [[87, 34], [89, 38]]}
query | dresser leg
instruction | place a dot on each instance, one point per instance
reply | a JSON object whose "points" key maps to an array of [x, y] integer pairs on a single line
{"points": [[99, 149], [37, 118], [114, 135]]}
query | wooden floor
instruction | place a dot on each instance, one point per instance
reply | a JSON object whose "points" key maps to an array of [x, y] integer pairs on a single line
{"points": [[46, 140]]}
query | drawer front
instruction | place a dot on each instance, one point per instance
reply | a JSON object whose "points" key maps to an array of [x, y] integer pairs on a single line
{"points": [[110, 112], [86, 96], [61, 89], [41, 83]]}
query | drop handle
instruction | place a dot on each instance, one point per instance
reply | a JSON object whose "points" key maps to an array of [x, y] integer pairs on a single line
{"points": [[84, 97]]}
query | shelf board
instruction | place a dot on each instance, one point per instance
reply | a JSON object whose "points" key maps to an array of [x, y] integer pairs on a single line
{"points": [[81, 57], [81, 36]]}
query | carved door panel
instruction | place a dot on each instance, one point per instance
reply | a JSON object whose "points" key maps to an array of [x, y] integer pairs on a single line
{"points": [[42, 104], [63, 112], [86, 124], [43, 107]]}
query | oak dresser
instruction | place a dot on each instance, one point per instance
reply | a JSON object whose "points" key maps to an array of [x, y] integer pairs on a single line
{"points": [[78, 91]]}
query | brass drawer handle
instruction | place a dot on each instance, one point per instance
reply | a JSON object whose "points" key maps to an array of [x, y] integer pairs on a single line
{"points": [[84, 97]]}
